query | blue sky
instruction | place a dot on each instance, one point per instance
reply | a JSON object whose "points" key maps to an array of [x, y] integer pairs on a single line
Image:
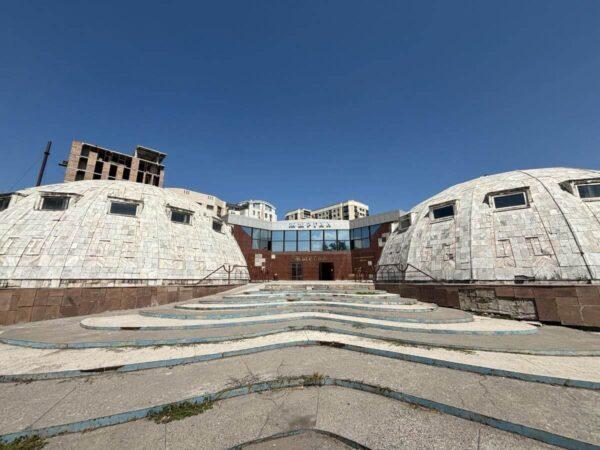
{"points": [[304, 103]]}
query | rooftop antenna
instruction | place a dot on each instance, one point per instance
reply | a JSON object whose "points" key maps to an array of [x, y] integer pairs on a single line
{"points": [[44, 161]]}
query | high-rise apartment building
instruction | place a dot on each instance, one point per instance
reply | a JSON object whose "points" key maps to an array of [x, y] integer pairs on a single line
{"points": [[90, 162]]}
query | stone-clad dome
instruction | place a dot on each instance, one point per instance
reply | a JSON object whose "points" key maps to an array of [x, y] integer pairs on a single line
{"points": [[105, 233], [541, 224]]}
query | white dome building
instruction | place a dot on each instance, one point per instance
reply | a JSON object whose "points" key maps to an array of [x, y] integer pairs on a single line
{"points": [[111, 233], [535, 225]]}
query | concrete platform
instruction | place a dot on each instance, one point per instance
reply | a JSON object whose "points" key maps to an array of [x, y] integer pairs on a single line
{"points": [[477, 326], [560, 411], [548, 340], [275, 420]]}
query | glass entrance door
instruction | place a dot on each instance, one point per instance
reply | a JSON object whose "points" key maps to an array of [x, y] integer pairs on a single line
{"points": [[297, 271]]}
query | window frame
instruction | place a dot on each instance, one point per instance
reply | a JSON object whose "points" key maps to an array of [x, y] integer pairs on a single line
{"points": [[438, 206], [512, 192], [591, 183], [123, 202], [5, 199], [185, 212], [65, 198]]}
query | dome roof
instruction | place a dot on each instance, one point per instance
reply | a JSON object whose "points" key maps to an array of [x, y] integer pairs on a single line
{"points": [[540, 224], [110, 233]]}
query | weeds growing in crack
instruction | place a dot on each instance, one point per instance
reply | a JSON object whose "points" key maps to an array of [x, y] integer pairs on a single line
{"points": [[24, 443], [180, 411]]}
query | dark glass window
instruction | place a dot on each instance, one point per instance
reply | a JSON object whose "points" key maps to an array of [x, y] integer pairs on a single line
{"points": [[98, 167], [79, 175], [304, 246], [589, 190], [331, 245], [374, 229], [181, 217], [123, 208], [265, 235], [303, 235], [404, 223], [4, 202], [112, 172], [505, 201], [277, 235], [343, 235], [355, 233], [126, 173], [343, 245], [316, 246], [259, 244], [277, 246], [256, 233], [316, 235], [55, 203], [443, 211], [356, 244], [247, 230], [366, 243], [217, 226], [364, 232]]}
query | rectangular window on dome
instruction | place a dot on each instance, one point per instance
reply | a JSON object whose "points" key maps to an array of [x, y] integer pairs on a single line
{"points": [[181, 217], [55, 203], [440, 212], [4, 202], [404, 223], [123, 208], [589, 190], [510, 200]]}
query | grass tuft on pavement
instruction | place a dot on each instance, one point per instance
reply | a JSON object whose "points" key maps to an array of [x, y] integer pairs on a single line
{"points": [[24, 443], [180, 411]]}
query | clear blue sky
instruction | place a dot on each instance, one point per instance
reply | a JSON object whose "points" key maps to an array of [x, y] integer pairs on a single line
{"points": [[304, 103]]}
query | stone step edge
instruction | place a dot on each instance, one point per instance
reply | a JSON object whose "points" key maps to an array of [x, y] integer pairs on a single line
{"points": [[207, 315], [308, 381], [134, 367], [289, 328], [293, 319]]}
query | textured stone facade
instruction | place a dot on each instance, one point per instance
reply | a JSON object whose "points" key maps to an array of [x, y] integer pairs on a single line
{"points": [[555, 237], [87, 245]]}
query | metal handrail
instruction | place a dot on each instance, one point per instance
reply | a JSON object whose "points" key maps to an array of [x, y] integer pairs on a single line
{"points": [[403, 270], [227, 268]]}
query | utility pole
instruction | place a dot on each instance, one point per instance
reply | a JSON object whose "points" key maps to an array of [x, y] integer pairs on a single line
{"points": [[45, 160]]}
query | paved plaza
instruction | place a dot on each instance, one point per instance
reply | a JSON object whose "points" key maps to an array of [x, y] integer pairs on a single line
{"points": [[299, 365]]}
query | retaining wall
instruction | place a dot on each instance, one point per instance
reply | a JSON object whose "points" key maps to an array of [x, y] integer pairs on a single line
{"points": [[574, 305], [19, 305]]}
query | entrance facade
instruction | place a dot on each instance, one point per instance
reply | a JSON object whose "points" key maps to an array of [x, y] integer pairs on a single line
{"points": [[326, 271]]}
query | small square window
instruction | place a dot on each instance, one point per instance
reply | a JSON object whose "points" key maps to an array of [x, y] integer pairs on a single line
{"points": [[217, 226], [123, 208], [180, 217], [589, 190], [441, 212], [55, 203], [510, 200]]}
